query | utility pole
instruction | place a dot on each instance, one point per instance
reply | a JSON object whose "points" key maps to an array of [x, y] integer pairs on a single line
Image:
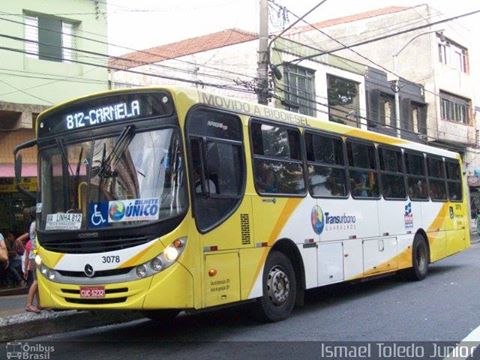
{"points": [[263, 55]]}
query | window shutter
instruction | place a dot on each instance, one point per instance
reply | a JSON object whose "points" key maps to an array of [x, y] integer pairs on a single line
{"points": [[31, 33], [67, 41]]}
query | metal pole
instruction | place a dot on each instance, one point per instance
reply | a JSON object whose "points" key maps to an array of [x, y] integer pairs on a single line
{"points": [[263, 56], [397, 97]]}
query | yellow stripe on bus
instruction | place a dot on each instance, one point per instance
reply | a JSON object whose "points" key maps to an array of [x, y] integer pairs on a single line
{"points": [[135, 259], [287, 211]]}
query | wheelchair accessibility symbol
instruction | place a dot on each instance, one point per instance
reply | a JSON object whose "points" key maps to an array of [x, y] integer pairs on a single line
{"points": [[98, 213], [97, 217]]}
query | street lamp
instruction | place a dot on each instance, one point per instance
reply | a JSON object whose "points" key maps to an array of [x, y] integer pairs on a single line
{"points": [[397, 78]]}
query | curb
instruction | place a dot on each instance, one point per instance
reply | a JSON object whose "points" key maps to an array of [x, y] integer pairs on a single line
{"points": [[28, 325]]}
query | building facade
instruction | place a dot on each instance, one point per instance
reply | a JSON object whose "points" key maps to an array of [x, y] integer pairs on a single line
{"points": [[417, 84], [42, 65], [437, 58]]}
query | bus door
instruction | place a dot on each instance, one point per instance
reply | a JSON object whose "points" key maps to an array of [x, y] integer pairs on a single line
{"points": [[220, 210]]}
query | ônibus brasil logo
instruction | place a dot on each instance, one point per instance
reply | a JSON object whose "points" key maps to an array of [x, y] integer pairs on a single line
{"points": [[320, 219]]}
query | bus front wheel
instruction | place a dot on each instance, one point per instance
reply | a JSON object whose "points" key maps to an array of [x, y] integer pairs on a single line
{"points": [[279, 289], [420, 259]]}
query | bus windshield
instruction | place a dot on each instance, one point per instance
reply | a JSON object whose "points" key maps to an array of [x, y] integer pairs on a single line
{"points": [[129, 179]]}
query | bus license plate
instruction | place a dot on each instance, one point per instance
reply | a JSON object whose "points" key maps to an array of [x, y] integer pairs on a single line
{"points": [[97, 292]]}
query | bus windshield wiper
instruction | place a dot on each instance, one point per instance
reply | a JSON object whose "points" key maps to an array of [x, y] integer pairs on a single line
{"points": [[108, 163], [63, 153]]}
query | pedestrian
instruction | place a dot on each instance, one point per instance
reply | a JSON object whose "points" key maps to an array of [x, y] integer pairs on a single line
{"points": [[33, 291], [27, 269], [3, 261], [14, 267]]}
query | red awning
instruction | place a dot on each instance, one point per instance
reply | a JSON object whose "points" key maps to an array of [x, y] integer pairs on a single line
{"points": [[28, 170]]}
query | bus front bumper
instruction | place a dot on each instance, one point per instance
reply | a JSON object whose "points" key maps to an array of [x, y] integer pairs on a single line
{"points": [[169, 289]]}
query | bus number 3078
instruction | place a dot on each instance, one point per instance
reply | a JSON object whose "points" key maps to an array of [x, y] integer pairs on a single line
{"points": [[110, 259]]}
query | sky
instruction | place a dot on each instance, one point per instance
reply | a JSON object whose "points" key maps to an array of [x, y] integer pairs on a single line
{"points": [[141, 24]]}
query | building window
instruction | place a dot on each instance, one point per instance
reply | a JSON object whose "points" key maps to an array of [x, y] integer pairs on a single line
{"points": [[49, 38], [300, 90], [450, 53], [442, 53], [387, 111], [418, 118], [343, 100], [454, 108]]}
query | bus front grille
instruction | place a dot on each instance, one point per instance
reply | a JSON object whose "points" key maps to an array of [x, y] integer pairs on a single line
{"points": [[100, 273], [92, 245]]}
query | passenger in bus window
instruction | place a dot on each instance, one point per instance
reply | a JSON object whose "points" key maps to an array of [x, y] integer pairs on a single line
{"points": [[359, 187], [211, 187], [265, 179], [418, 190], [333, 187]]}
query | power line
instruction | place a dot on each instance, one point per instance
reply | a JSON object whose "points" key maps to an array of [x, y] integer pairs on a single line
{"points": [[106, 56], [347, 47], [195, 82], [166, 57], [339, 42], [26, 93], [364, 42], [358, 116]]}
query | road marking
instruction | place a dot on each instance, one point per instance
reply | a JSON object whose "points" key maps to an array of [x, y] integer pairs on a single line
{"points": [[471, 342]]}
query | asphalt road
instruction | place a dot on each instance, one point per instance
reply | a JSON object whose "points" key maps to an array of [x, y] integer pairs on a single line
{"points": [[444, 307], [12, 304]]}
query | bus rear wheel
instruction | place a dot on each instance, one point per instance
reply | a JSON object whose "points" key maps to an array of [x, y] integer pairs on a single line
{"points": [[279, 289], [420, 259]]}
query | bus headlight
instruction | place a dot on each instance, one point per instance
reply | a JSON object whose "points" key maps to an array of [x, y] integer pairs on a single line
{"points": [[156, 264], [47, 273], [141, 271], [162, 261], [171, 254], [44, 270]]}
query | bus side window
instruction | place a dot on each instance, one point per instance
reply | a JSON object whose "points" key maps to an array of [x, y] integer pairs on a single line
{"points": [[277, 159], [416, 176], [363, 174], [436, 178], [326, 166], [393, 180], [454, 180]]}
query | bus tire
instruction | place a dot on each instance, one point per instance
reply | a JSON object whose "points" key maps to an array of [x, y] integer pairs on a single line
{"points": [[164, 317], [420, 259], [279, 289]]}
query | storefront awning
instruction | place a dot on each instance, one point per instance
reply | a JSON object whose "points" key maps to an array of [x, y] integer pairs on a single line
{"points": [[28, 170]]}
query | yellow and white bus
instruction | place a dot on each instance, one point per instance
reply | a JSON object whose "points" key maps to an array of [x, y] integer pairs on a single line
{"points": [[163, 199]]}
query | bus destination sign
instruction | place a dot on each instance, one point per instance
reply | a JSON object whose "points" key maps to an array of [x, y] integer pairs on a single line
{"points": [[100, 115], [105, 110]]}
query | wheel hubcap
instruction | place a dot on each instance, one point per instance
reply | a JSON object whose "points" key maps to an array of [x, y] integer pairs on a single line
{"points": [[278, 286]]}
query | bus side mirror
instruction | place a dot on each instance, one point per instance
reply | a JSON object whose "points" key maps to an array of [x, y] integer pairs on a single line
{"points": [[18, 167]]}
